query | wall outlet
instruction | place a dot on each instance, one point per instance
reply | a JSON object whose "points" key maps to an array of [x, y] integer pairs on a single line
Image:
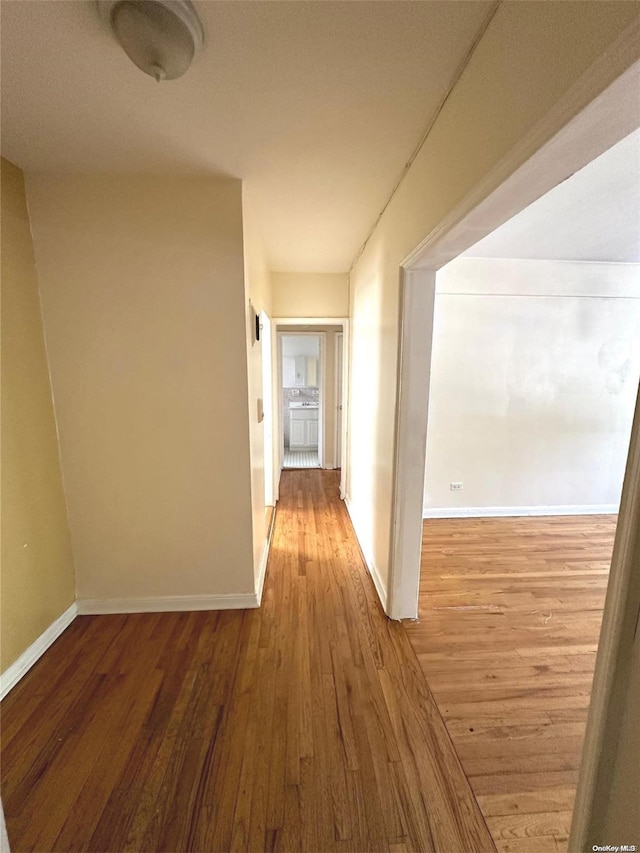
{"points": [[455, 487]]}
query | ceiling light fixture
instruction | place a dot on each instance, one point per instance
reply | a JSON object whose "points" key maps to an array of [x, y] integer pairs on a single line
{"points": [[161, 37]]}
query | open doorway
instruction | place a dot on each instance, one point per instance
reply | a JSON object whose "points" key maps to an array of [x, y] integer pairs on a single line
{"points": [[302, 399], [332, 397], [534, 377], [550, 774]]}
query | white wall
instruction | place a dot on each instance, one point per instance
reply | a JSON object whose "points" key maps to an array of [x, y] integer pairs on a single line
{"points": [[534, 378], [530, 56], [144, 315]]}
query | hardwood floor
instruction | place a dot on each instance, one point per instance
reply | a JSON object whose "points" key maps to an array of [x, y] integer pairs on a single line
{"points": [[305, 725], [510, 612]]}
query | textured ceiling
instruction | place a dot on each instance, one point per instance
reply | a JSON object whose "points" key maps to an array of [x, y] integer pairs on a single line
{"points": [[592, 216], [317, 105]]}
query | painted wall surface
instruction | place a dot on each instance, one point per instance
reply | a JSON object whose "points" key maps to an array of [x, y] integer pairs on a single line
{"points": [[258, 295], [37, 575], [528, 58], [534, 379], [310, 294], [143, 299]]}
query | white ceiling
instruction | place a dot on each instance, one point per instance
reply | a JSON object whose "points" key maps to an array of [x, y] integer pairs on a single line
{"points": [[592, 216], [317, 105]]}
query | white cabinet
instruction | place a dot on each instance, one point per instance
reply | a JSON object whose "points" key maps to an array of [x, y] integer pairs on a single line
{"points": [[288, 372], [300, 372], [300, 377], [303, 429], [298, 432]]}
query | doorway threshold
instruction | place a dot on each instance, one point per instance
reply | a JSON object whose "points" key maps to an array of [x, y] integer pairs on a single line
{"points": [[301, 459]]}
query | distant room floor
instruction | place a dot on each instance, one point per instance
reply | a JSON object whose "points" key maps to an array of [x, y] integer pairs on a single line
{"points": [[301, 459], [510, 613]]}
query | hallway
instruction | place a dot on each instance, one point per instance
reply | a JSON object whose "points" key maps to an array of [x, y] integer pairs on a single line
{"points": [[305, 725]]}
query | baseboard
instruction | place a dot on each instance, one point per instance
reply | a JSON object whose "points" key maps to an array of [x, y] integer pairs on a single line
{"points": [[377, 582], [371, 568], [499, 511], [12, 675], [262, 572], [167, 604]]}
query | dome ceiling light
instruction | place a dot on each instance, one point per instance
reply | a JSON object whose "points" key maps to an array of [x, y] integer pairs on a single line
{"points": [[161, 37]]}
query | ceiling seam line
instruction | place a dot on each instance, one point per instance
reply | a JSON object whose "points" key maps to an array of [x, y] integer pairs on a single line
{"points": [[461, 68]]}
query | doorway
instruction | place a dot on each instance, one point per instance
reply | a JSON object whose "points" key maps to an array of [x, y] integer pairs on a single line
{"points": [[333, 447], [571, 149], [302, 399]]}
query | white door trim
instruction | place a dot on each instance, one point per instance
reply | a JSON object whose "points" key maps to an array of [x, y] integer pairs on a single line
{"points": [[310, 321], [323, 380], [338, 343], [417, 295], [342, 322], [267, 408]]}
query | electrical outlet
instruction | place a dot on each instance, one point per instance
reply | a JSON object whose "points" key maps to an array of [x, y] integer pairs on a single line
{"points": [[455, 487]]}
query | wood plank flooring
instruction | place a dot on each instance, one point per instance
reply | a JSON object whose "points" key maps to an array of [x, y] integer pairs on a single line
{"points": [[305, 725], [510, 613]]}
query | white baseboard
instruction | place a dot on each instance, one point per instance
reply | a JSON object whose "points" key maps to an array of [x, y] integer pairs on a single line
{"points": [[167, 604], [4, 838], [499, 511], [12, 675], [371, 568], [262, 572]]}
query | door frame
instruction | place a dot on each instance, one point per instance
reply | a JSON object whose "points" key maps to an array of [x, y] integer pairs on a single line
{"points": [[576, 130], [280, 324], [608, 118], [322, 392], [267, 409], [338, 383]]}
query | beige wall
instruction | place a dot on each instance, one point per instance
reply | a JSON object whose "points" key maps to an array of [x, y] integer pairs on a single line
{"points": [[310, 294], [258, 295], [528, 58], [37, 574], [143, 298], [534, 376]]}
